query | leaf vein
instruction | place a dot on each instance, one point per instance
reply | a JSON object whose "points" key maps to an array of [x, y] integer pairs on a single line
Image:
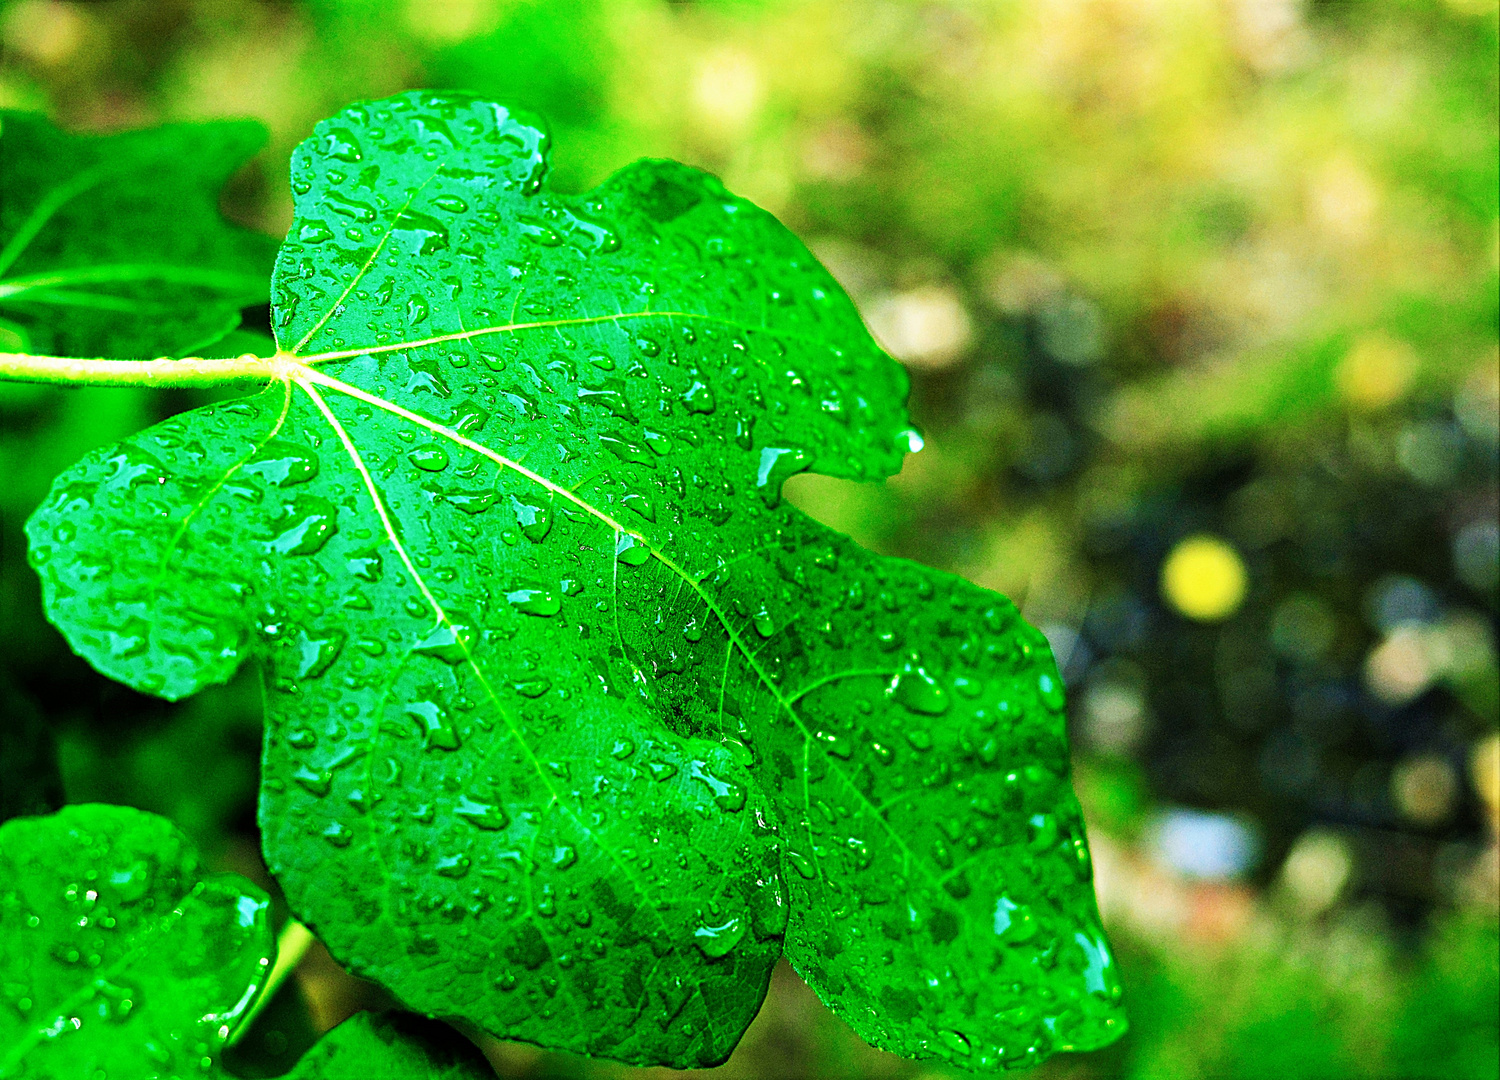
{"points": [[738, 639], [585, 832]]}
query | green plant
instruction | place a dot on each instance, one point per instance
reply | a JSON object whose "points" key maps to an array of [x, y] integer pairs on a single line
{"points": [[573, 726], [120, 958]]}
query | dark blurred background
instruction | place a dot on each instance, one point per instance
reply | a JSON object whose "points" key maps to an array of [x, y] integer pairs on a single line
{"points": [[1199, 299]]}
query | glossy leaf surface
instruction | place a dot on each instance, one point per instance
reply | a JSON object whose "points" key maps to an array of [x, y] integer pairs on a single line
{"points": [[368, 1046], [113, 245], [118, 958], [573, 725]]}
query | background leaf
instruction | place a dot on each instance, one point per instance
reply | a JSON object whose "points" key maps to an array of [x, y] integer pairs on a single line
{"points": [[371, 1045], [118, 957], [565, 704], [113, 245]]}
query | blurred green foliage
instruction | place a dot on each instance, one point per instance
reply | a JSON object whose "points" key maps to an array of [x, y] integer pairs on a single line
{"points": [[1220, 268]]}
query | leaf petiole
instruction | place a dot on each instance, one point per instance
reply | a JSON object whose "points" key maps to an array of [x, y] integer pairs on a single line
{"points": [[192, 371]]}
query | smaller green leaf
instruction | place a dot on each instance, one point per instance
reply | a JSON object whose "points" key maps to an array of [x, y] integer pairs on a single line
{"points": [[118, 958], [114, 246], [404, 1045]]}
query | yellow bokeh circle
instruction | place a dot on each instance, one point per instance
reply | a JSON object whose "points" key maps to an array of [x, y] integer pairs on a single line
{"points": [[1204, 578]]}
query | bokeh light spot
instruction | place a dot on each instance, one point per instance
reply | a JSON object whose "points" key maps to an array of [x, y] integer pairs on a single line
{"points": [[1204, 578], [1425, 789], [1376, 372], [1317, 869]]}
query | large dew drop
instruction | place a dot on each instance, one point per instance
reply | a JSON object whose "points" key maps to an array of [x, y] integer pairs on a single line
{"points": [[727, 794], [430, 458], [919, 692], [534, 600], [422, 233], [450, 641], [284, 464], [630, 551], [533, 516], [777, 463], [435, 724], [308, 523], [716, 942]]}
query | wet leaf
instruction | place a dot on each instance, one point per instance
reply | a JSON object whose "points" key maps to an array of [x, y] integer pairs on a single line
{"points": [[113, 245], [573, 725], [118, 957]]}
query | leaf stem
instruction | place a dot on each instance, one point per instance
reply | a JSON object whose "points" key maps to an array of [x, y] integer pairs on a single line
{"points": [[165, 371]]}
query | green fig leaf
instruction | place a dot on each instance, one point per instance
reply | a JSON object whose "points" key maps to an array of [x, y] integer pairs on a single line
{"points": [[118, 956], [574, 725], [114, 246], [369, 1046]]}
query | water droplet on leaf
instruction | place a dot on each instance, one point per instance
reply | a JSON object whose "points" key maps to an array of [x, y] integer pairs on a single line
{"points": [[919, 692], [533, 688], [630, 551], [314, 232], [534, 518], [308, 523], [450, 641], [435, 724], [422, 233], [534, 600], [802, 864], [284, 464], [429, 458], [481, 815], [718, 941], [699, 398], [777, 463]]}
